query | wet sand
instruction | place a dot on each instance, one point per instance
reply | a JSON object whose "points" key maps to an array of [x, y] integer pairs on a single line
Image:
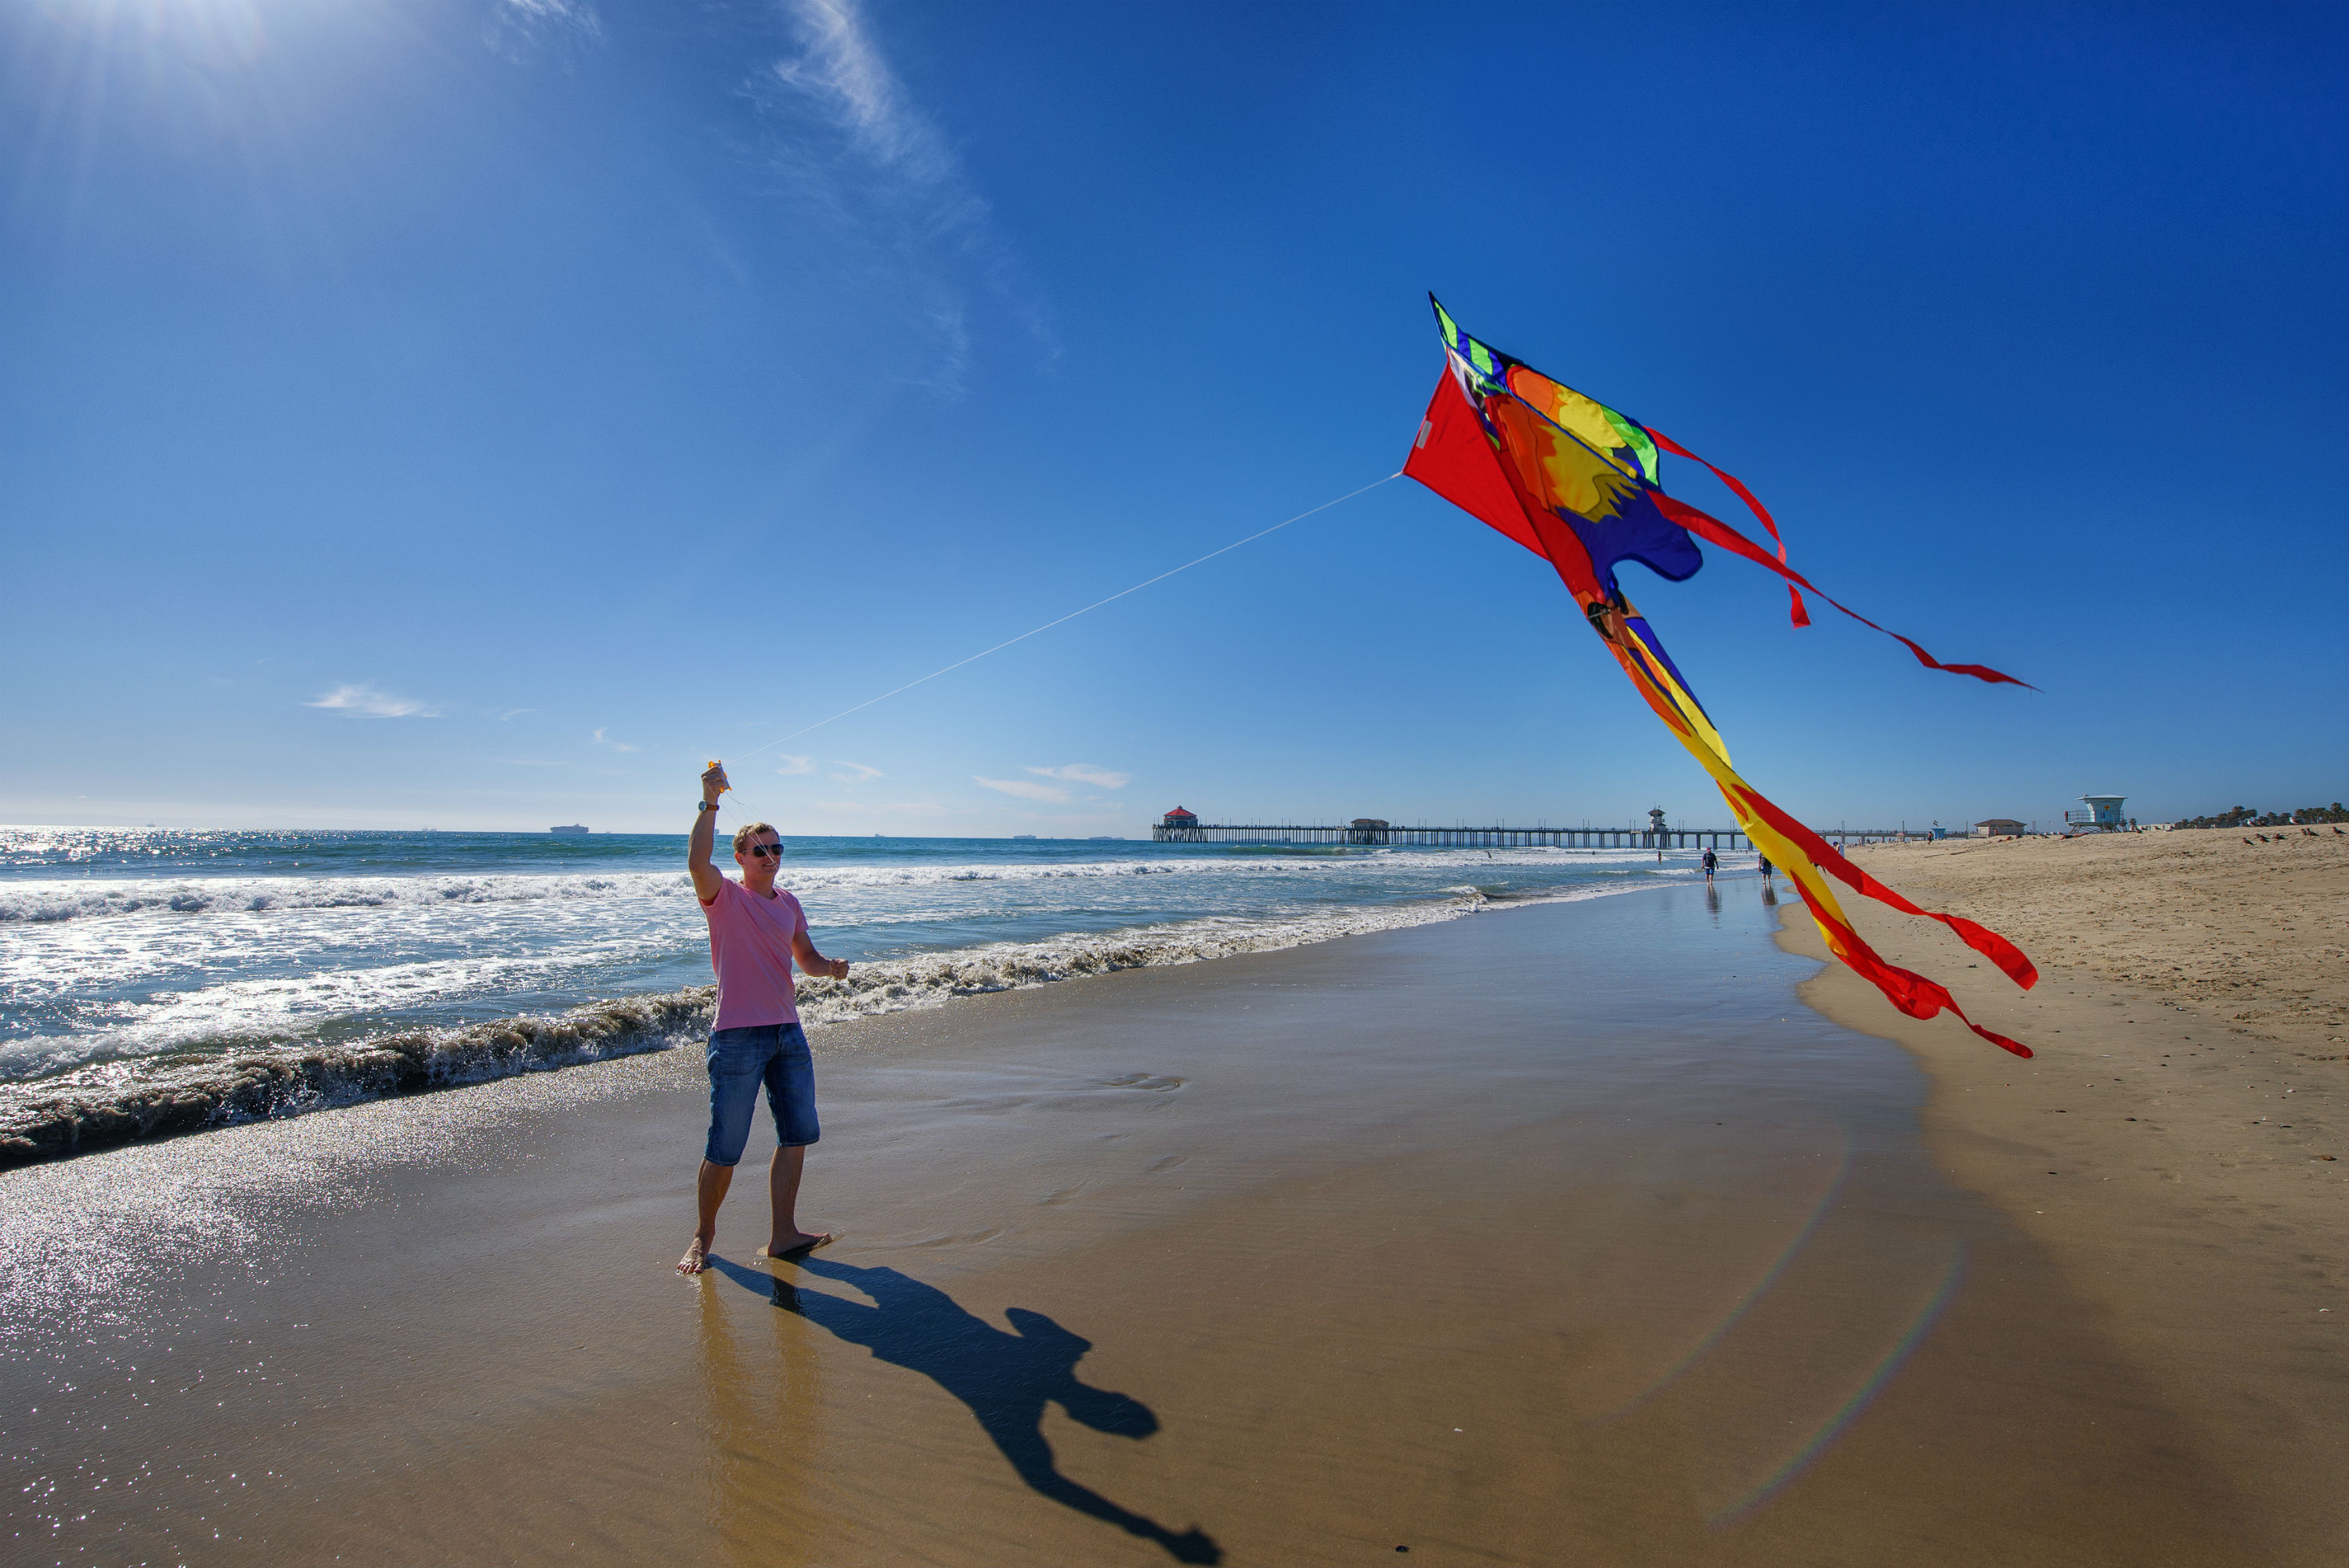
{"points": [[2176, 1145], [1551, 1234]]}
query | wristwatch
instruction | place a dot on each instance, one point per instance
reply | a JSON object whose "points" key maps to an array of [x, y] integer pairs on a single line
{"points": [[709, 805]]}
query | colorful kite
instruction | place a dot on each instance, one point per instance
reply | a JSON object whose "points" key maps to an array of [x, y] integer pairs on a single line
{"points": [[1576, 482]]}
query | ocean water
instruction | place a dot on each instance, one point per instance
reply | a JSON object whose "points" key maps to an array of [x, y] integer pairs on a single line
{"points": [[153, 980]]}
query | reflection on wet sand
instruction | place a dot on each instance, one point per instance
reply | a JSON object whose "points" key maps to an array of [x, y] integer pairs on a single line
{"points": [[1861, 1381], [1723, 1272], [1758, 1313], [1005, 1379], [766, 1416]]}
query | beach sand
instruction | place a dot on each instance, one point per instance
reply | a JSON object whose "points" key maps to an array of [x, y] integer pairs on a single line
{"points": [[2176, 1143], [1551, 1234]]}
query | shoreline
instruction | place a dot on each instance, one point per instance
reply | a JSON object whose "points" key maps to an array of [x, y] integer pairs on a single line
{"points": [[138, 1100], [1477, 1237], [2175, 1143]]}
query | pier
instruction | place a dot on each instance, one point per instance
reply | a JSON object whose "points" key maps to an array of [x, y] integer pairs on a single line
{"points": [[1386, 835], [1181, 827]]}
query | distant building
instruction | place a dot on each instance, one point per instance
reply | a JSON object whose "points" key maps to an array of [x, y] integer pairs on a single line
{"points": [[1367, 831], [2102, 816], [1179, 818], [1998, 828]]}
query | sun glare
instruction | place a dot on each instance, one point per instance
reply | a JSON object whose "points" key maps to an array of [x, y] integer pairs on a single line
{"points": [[212, 34]]}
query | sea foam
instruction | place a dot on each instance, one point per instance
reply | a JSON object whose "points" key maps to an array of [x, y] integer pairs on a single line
{"points": [[52, 898], [122, 1100]]}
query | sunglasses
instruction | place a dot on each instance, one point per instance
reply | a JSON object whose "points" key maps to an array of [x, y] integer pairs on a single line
{"points": [[767, 852]]}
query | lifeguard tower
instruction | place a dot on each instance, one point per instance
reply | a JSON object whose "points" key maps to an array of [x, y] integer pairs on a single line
{"points": [[2103, 815]]}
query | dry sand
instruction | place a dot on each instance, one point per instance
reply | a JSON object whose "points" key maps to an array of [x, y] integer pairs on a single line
{"points": [[2176, 1143]]}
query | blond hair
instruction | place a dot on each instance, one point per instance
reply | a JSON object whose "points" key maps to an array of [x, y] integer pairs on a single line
{"points": [[742, 834]]}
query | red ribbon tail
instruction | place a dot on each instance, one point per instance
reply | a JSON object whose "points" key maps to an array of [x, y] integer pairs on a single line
{"points": [[1992, 1035], [1753, 502], [1802, 616], [2010, 959], [1711, 529], [1906, 989]]}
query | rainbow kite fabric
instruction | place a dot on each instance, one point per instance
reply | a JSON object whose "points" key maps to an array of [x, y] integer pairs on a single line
{"points": [[1576, 482]]}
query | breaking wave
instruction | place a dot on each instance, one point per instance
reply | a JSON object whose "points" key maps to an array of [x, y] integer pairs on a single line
{"points": [[56, 900], [62, 899], [889, 985], [119, 1102], [123, 1101]]}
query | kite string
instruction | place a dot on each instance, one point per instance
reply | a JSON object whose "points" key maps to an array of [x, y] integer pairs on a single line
{"points": [[1072, 615]]}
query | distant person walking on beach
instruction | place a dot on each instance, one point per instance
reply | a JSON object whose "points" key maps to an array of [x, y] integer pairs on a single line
{"points": [[756, 930], [1764, 861], [1711, 864]]}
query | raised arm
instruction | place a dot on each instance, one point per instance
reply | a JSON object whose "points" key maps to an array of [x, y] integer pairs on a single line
{"points": [[707, 877]]}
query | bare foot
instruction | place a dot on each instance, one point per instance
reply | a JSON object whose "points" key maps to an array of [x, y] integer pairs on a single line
{"points": [[795, 1243], [697, 1257]]}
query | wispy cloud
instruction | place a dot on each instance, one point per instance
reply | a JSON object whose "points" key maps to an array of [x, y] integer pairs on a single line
{"points": [[360, 701], [841, 69], [858, 772], [856, 149], [567, 13], [520, 29], [1085, 773], [794, 765], [615, 745], [502, 715], [1026, 789]]}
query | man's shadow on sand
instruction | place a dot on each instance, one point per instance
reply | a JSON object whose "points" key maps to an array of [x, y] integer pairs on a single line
{"points": [[1006, 1379]]}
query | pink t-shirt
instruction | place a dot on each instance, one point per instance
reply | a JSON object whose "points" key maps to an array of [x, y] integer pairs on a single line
{"points": [[751, 949]]}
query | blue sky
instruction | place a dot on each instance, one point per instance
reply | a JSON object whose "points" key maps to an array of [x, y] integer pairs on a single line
{"points": [[474, 413]]}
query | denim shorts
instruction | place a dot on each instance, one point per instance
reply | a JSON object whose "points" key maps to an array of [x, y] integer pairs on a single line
{"points": [[740, 1061]]}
